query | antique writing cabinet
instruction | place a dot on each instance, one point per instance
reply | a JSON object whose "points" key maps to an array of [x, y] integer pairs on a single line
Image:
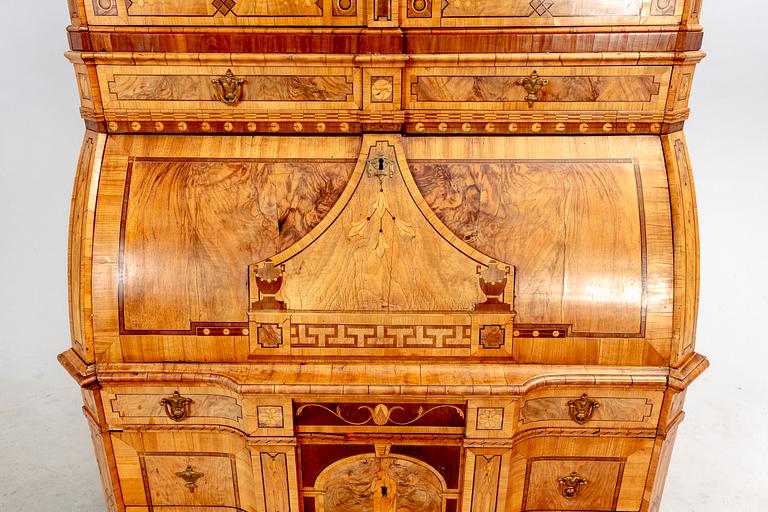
{"points": [[384, 255]]}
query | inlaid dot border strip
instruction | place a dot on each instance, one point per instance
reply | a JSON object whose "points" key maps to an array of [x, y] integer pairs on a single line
{"points": [[336, 127]]}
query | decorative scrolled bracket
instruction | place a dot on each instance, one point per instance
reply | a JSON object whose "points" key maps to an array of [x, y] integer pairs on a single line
{"points": [[582, 409], [190, 477], [571, 485], [229, 87], [532, 85], [176, 406]]}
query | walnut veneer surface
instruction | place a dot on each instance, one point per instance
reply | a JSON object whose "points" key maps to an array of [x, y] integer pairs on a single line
{"points": [[384, 255]]}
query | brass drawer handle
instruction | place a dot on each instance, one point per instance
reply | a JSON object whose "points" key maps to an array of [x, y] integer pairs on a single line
{"points": [[176, 406], [581, 409], [190, 476], [532, 86], [571, 485], [228, 87]]}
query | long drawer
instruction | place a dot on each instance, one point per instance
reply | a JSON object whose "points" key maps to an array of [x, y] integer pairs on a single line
{"points": [[592, 408], [450, 93]]}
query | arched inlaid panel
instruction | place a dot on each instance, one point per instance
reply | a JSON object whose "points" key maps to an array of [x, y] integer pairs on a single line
{"points": [[366, 483]]}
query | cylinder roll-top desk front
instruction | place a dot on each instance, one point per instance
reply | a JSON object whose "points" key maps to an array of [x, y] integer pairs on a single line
{"points": [[384, 255]]}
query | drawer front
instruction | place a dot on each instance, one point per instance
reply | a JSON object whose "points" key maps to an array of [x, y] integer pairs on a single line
{"points": [[541, 13], [184, 471], [578, 473], [591, 408], [178, 405], [573, 483], [225, 12], [407, 13], [259, 93], [529, 89], [209, 91]]}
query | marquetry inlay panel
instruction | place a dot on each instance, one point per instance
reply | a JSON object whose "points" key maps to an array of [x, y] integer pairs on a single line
{"points": [[384, 12]]}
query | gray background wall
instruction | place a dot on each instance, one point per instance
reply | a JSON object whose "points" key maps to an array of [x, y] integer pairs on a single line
{"points": [[46, 459]]}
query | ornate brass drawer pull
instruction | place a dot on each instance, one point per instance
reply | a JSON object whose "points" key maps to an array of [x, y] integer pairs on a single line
{"points": [[571, 485], [228, 87], [532, 86], [581, 409], [190, 476], [176, 406]]}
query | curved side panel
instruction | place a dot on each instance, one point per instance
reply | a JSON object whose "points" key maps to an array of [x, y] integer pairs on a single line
{"points": [[80, 252], [685, 231]]}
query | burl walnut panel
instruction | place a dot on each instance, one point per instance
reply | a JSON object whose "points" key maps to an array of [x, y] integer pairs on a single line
{"points": [[203, 201]]}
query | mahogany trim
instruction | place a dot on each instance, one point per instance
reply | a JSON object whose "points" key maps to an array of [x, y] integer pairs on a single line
{"points": [[381, 41]]}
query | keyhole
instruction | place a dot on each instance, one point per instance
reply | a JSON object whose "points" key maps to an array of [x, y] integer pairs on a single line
{"points": [[381, 164], [384, 491]]}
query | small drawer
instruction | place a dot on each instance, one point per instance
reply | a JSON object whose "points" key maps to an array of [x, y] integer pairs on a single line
{"points": [[580, 473], [180, 405], [591, 408], [573, 483], [184, 471]]}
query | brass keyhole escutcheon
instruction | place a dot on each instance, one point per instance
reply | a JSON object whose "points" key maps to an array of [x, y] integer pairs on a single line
{"points": [[380, 166]]}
